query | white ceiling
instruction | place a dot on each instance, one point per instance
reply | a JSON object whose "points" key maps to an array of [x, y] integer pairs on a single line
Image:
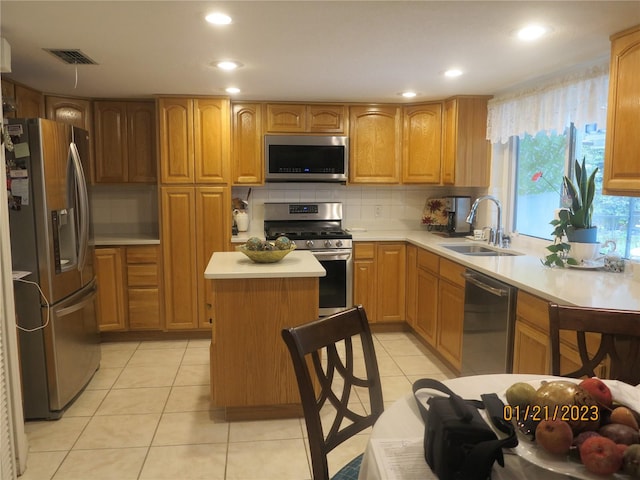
{"points": [[304, 50]]}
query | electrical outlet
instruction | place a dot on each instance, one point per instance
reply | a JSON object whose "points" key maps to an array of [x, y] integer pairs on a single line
{"points": [[378, 211]]}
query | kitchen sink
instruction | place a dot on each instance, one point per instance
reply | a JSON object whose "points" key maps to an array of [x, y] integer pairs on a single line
{"points": [[479, 250]]}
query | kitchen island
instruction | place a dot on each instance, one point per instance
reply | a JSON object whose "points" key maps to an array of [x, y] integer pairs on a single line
{"points": [[252, 374]]}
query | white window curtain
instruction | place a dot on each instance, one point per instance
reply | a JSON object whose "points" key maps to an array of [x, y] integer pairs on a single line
{"points": [[579, 98]]}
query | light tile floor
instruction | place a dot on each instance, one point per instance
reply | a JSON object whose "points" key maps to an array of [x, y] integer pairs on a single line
{"points": [[146, 416]]}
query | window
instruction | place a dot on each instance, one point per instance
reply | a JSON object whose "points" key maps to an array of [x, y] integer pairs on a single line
{"points": [[542, 160]]}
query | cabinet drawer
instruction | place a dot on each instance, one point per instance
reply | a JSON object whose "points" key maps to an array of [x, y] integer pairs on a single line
{"points": [[142, 254], [144, 275], [533, 310], [362, 251], [428, 261], [144, 309], [452, 271]]}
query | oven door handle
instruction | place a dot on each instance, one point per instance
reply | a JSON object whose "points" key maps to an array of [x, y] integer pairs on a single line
{"points": [[498, 292], [332, 254]]}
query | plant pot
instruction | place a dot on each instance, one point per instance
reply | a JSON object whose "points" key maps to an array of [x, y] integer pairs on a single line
{"points": [[582, 235]]}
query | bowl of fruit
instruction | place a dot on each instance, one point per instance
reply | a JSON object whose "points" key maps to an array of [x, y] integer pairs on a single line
{"points": [[587, 429], [264, 251]]}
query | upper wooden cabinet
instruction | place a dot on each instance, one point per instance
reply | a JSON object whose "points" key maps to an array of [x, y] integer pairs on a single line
{"points": [[72, 111], [29, 102], [194, 140], [622, 148], [247, 146], [374, 144], [298, 118], [422, 143], [466, 151], [8, 92], [125, 143]]}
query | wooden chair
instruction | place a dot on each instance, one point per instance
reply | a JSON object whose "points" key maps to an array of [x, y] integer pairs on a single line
{"points": [[620, 340], [323, 358]]}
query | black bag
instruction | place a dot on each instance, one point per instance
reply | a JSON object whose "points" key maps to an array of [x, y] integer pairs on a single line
{"points": [[458, 443]]}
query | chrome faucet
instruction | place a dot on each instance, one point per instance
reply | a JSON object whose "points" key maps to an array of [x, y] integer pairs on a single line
{"points": [[497, 237]]}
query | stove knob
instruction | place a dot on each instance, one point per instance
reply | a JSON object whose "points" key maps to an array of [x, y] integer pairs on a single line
{"points": [[327, 243], [309, 243], [339, 243]]}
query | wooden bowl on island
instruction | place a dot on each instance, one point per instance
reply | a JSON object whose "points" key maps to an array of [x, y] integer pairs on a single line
{"points": [[266, 256]]}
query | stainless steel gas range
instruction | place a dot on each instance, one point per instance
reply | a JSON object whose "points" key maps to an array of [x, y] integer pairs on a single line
{"points": [[317, 226]]}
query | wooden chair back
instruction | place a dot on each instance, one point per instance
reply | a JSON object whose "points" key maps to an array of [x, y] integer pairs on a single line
{"points": [[325, 353], [619, 341]]}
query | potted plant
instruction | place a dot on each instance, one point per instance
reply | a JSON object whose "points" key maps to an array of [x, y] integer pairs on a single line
{"points": [[574, 222]]}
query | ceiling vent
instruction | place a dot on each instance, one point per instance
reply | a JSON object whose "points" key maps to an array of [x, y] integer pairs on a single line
{"points": [[72, 57]]}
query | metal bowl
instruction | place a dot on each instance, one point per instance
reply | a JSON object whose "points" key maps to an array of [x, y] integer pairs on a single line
{"points": [[265, 256]]}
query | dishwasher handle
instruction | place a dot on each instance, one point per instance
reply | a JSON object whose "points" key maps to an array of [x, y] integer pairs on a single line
{"points": [[498, 292]]}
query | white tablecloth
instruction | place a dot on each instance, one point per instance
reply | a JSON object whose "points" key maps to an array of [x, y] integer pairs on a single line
{"points": [[401, 427]]}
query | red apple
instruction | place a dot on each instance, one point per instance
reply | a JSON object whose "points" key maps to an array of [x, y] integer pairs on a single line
{"points": [[598, 390], [554, 435], [601, 455]]}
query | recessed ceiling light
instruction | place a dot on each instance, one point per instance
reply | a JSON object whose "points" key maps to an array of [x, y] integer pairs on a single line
{"points": [[218, 18], [227, 65], [232, 90], [454, 72], [408, 94], [531, 32]]}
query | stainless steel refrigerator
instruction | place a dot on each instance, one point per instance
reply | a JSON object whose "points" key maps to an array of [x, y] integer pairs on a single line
{"points": [[52, 240]]}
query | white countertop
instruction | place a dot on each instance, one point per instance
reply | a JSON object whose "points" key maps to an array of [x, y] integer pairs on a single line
{"points": [[236, 265], [126, 239]]}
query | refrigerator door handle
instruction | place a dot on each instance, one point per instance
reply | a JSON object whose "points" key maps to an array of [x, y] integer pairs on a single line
{"points": [[83, 207], [77, 306]]}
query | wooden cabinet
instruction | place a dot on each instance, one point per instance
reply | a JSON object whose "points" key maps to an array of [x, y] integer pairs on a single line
{"points": [[374, 144], [186, 250], [125, 143], [194, 140], [8, 96], [411, 285], [72, 111], [247, 146], [422, 143], [143, 288], [111, 297], [128, 288], [427, 284], [466, 151], [298, 118], [450, 312], [29, 102], [531, 346], [622, 148], [379, 280]]}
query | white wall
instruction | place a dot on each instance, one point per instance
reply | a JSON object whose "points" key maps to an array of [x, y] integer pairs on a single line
{"points": [[124, 209]]}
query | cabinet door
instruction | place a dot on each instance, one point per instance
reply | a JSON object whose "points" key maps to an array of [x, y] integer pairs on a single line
{"points": [[364, 287], [286, 118], [422, 144], [8, 92], [111, 299], [391, 272], [143, 288], [178, 242], [427, 306], [531, 352], [141, 141], [466, 151], [211, 140], [374, 147], [326, 118], [213, 205], [622, 149], [29, 103], [247, 162], [450, 322], [176, 140], [111, 142], [411, 308]]}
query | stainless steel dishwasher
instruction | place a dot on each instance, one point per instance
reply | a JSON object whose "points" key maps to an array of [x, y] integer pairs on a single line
{"points": [[489, 319]]}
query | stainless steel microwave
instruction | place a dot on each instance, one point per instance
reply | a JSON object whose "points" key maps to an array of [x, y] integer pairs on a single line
{"points": [[306, 158]]}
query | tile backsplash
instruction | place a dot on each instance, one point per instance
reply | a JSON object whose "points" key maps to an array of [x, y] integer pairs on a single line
{"points": [[125, 209], [369, 207]]}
